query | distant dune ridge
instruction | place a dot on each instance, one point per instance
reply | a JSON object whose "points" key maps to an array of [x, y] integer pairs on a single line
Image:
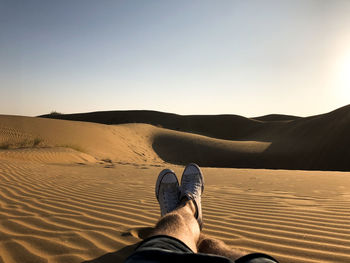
{"points": [[74, 191], [318, 142]]}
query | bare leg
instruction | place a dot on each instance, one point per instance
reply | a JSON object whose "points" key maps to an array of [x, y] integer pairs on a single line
{"points": [[218, 247], [180, 224]]}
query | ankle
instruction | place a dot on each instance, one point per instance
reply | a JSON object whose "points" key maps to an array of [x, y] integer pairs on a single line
{"points": [[188, 205]]}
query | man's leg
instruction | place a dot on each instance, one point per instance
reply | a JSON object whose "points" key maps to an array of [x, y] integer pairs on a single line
{"points": [[217, 247], [184, 221], [180, 224], [177, 233]]}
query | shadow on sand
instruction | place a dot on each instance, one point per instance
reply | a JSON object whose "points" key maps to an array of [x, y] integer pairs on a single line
{"points": [[120, 255], [114, 257]]}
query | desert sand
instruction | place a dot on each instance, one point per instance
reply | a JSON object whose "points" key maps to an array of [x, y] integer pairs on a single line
{"points": [[319, 142], [76, 191]]}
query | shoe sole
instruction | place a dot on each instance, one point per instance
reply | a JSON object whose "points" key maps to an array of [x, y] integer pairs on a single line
{"points": [[160, 178]]}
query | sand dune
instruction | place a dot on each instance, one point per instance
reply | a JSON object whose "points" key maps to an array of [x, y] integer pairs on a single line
{"points": [[313, 143], [276, 117], [77, 191], [47, 155], [124, 143]]}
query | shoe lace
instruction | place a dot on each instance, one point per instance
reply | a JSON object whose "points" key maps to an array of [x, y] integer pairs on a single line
{"points": [[170, 198], [194, 187]]}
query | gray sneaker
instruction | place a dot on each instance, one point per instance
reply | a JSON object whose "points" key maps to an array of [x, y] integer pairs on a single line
{"points": [[167, 191], [192, 187]]}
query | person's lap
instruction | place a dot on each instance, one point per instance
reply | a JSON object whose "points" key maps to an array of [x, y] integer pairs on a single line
{"points": [[169, 249]]}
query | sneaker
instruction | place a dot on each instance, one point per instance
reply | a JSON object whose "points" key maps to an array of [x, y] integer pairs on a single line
{"points": [[167, 191], [192, 186]]}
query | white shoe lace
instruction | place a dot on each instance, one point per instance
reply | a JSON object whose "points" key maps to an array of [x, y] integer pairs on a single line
{"points": [[194, 187], [169, 200]]}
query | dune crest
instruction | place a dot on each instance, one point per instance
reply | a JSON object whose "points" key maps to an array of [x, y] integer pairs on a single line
{"points": [[317, 142]]}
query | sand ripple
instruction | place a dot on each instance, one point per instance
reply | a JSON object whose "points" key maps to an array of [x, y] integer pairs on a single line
{"points": [[74, 213]]}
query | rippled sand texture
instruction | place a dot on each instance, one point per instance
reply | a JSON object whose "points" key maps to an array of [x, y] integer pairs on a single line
{"points": [[69, 213], [73, 213], [94, 200]]}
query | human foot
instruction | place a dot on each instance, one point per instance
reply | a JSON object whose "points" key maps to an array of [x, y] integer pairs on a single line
{"points": [[167, 191], [192, 186]]}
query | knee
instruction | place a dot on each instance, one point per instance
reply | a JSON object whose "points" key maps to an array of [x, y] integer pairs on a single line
{"points": [[172, 220], [208, 244]]}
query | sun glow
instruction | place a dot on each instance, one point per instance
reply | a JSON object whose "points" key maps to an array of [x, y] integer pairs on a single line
{"points": [[343, 77]]}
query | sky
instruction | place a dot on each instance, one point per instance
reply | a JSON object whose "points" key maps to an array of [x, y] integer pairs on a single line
{"points": [[244, 57]]}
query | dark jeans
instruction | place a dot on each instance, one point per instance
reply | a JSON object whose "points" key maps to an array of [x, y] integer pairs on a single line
{"points": [[167, 249]]}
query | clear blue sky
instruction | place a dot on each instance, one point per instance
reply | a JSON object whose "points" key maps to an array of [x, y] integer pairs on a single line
{"points": [[188, 57]]}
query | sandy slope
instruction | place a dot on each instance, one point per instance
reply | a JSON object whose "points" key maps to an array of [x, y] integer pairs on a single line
{"points": [[319, 142], [124, 143], [86, 190]]}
